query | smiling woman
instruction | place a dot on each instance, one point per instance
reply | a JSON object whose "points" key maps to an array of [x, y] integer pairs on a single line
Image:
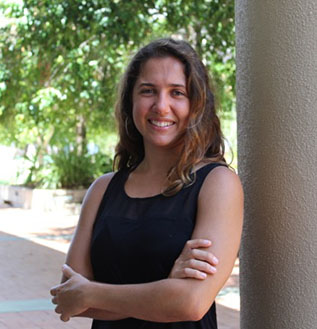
{"points": [[143, 255], [160, 103], [202, 137]]}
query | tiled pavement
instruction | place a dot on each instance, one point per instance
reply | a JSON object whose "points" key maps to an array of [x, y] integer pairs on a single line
{"points": [[32, 251]]}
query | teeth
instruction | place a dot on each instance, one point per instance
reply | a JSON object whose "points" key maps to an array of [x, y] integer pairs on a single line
{"points": [[161, 123]]}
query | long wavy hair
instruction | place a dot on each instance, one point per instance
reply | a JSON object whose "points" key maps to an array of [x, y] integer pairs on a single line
{"points": [[203, 139]]}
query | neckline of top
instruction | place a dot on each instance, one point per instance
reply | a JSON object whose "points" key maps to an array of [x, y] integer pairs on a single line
{"points": [[156, 195]]}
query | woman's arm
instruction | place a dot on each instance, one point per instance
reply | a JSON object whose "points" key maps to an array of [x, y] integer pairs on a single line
{"points": [[78, 256], [219, 219], [193, 262]]}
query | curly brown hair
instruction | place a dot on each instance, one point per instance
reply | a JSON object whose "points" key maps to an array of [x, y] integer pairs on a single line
{"points": [[203, 139]]}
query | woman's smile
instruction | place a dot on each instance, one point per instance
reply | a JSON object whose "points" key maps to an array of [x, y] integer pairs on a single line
{"points": [[160, 123]]}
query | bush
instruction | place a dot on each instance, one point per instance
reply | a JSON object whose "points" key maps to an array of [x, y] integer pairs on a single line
{"points": [[72, 170], [65, 168]]}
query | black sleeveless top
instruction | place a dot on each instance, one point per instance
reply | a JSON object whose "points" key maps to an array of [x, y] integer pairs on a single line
{"points": [[137, 240]]}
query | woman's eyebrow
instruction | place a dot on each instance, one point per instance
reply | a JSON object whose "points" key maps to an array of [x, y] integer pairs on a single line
{"points": [[149, 84], [146, 84]]}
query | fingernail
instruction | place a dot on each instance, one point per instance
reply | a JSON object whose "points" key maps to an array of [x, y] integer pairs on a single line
{"points": [[215, 260], [207, 241], [203, 275], [213, 269]]}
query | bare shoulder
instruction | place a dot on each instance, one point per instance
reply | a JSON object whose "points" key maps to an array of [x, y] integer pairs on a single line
{"points": [[102, 181], [221, 182], [99, 186], [221, 198], [93, 198]]}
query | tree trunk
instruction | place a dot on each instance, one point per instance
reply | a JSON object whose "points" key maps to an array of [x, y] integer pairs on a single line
{"points": [[81, 140]]}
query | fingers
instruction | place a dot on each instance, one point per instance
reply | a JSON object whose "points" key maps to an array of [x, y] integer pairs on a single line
{"points": [[195, 261], [58, 310], [55, 300], [198, 243], [195, 269], [54, 290], [64, 317], [68, 271], [200, 254], [201, 266], [204, 255], [194, 274]]}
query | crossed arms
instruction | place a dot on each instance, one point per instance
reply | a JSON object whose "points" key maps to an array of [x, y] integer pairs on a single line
{"points": [[193, 284]]}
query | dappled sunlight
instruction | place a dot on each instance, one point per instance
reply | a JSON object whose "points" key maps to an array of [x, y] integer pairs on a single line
{"points": [[53, 230], [60, 235]]}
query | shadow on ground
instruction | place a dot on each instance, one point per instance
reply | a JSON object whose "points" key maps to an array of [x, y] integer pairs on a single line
{"points": [[28, 271], [63, 235]]}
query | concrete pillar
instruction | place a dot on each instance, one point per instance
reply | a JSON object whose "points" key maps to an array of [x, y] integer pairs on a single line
{"points": [[277, 145]]}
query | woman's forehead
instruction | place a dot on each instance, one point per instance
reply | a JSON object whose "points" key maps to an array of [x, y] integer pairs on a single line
{"points": [[158, 69]]}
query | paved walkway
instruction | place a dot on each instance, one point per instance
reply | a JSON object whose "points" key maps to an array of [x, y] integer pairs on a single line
{"points": [[32, 251]]}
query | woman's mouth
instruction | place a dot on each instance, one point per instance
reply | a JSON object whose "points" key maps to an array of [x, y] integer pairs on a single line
{"points": [[161, 124]]}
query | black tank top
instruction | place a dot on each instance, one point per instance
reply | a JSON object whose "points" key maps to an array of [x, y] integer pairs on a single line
{"points": [[137, 240]]}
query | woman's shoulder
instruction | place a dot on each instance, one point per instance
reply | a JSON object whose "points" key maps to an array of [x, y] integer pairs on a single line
{"points": [[99, 186], [103, 180], [222, 179], [221, 196]]}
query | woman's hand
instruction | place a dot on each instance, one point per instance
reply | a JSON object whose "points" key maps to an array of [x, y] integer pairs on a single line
{"points": [[194, 262], [70, 296]]}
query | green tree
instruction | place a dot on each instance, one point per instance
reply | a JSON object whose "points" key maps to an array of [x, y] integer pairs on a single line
{"points": [[60, 62], [209, 27]]}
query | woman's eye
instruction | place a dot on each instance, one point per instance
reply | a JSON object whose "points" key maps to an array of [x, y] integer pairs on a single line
{"points": [[178, 93], [147, 91]]}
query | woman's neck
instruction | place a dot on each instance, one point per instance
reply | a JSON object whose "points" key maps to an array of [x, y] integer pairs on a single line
{"points": [[159, 161], [150, 176]]}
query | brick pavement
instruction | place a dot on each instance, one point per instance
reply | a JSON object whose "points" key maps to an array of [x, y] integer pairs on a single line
{"points": [[32, 251]]}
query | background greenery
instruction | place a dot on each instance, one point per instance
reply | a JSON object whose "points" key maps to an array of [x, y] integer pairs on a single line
{"points": [[60, 63]]}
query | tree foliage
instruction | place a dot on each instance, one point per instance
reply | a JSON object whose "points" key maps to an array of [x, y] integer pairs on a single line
{"points": [[60, 61]]}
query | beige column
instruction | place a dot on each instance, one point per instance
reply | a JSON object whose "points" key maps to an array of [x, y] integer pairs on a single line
{"points": [[277, 146]]}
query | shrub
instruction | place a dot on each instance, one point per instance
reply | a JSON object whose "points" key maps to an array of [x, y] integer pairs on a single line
{"points": [[73, 170]]}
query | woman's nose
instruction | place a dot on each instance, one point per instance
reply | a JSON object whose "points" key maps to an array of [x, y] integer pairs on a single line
{"points": [[161, 105]]}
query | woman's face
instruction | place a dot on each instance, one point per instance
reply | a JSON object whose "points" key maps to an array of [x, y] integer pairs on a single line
{"points": [[160, 102]]}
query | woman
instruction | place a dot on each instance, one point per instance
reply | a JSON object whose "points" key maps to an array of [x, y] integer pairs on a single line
{"points": [[172, 189]]}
